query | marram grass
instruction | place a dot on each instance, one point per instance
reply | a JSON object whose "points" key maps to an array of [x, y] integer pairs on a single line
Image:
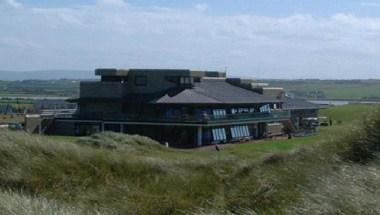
{"points": [[121, 174]]}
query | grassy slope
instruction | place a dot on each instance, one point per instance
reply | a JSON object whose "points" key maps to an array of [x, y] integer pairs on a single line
{"points": [[349, 113], [137, 176]]}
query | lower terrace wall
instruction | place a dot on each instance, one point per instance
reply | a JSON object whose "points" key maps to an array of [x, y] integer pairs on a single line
{"points": [[175, 136], [64, 128]]}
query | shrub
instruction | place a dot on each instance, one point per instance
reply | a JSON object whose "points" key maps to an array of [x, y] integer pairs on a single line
{"points": [[363, 143], [116, 141]]}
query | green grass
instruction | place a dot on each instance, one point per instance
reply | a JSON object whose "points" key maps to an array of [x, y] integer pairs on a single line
{"points": [[122, 174], [58, 138], [349, 113], [331, 89], [252, 150]]}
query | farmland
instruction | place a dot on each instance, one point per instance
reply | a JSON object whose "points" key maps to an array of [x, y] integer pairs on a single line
{"points": [[330, 89], [307, 89]]}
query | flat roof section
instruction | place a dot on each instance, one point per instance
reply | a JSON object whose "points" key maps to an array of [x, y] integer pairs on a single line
{"points": [[168, 72]]}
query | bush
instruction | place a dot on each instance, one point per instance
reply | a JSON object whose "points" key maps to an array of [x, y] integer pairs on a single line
{"points": [[363, 143], [117, 141]]}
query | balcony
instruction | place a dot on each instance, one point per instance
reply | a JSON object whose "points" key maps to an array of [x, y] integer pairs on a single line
{"points": [[278, 115]]}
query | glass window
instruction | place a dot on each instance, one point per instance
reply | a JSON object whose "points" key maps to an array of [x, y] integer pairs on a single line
{"points": [[185, 80], [265, 108], [240, 131], [246, 131], [219, 134], [219, 113]]}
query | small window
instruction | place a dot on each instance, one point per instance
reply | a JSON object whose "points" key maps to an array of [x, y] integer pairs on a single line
{"points": [[265, 109], [185, 80], [219, 113], [141, 80]]}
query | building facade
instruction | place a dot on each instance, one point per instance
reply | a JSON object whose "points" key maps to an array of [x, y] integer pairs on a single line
{"points": [[183, 108]]}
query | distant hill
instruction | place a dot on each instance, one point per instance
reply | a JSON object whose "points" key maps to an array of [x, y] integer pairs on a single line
{"points": [[45, 75]]}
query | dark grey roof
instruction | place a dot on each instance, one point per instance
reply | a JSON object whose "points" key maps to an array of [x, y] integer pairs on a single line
{"points": [[298, 104], [169, 72], [214, 91]]}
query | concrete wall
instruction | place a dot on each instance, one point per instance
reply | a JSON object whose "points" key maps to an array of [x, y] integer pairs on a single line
{"points": [[65, 128], [156, 81], [102, 89], [90, 110], [32, 124]]}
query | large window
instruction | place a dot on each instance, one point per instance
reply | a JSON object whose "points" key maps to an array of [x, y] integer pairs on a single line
{"points": [[219, 134], [141, 80], [239, 131]]}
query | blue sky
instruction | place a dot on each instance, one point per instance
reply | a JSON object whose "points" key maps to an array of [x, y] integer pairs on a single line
{"points": [[328, 39], [258, 7]]}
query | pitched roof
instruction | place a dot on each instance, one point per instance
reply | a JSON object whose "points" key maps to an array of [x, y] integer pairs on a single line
{"points": [[298, 104], [214, 91]]}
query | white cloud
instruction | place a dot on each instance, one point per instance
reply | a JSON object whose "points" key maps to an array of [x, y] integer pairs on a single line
{"points": [[370, 4], [201, 7], [113, 33], [13, 3], [115, 3]]}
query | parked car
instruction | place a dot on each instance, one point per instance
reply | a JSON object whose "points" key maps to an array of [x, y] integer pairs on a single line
{"points": [[323, 121], [11, 126]]}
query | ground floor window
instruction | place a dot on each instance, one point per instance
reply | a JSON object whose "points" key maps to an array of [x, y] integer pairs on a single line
{"points": [[239, 131], [219, 134]]}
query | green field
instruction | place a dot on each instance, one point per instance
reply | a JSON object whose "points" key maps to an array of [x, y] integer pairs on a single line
{"points": [[330, 89], [57, 88], [308, 89], [122, 174]]}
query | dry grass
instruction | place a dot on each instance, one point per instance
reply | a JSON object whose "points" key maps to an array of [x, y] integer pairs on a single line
{"points": [[135, 175], [12, 203]]}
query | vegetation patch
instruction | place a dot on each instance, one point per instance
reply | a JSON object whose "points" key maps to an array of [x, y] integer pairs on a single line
{"points": [[116, 141], [114, 173]]}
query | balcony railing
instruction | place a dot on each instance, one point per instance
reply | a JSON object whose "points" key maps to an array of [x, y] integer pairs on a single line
{"points": [[277, 115]]}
